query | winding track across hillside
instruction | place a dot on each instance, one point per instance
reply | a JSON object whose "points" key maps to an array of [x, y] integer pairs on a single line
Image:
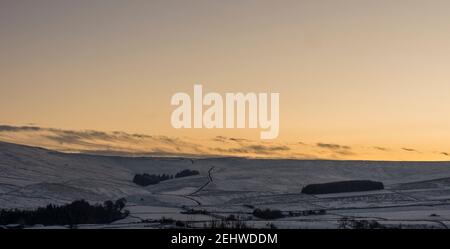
{"points": [[210, 179], [189, 196]]}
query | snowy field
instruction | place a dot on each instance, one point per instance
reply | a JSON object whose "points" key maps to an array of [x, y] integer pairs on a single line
{"points": [[416, 194]]}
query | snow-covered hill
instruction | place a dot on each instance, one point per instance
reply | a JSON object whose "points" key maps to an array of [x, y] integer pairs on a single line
{"points": [[32, 177]]}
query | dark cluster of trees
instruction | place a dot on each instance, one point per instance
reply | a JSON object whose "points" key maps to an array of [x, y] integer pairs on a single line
{"points": [[77, 212], [195, 211], [268, 214], [350, 223], [341, 187], [147, 179], [186, 172], [307, 212]]}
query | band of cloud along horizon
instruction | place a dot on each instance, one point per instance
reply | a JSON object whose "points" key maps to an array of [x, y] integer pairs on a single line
{"points": [[234, 111]]}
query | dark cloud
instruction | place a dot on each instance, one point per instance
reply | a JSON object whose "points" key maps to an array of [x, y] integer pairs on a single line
{"points": [[239, 139], [172, 141], [71, 136], [76, 137], [154, 153], [224, 139], [345, 153], [68, 139], [100, 142], [333, 146], [9, 128], [221, 139], [253, 149], [122, 143], [445, 153], [380, 148], [337, 150], [409, 149], [124, 134]]}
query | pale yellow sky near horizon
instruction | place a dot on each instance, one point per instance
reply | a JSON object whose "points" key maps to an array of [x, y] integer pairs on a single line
{"points": [[352, 73]]}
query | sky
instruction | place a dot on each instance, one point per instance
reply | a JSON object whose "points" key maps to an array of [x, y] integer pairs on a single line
{"points": [[360, 80]]}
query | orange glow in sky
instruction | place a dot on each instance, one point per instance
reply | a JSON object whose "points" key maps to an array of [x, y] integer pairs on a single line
{"points": [[357, 79]]}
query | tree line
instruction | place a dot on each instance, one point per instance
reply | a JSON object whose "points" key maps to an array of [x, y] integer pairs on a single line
{"points": [[77, 212], [147, 179]]}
